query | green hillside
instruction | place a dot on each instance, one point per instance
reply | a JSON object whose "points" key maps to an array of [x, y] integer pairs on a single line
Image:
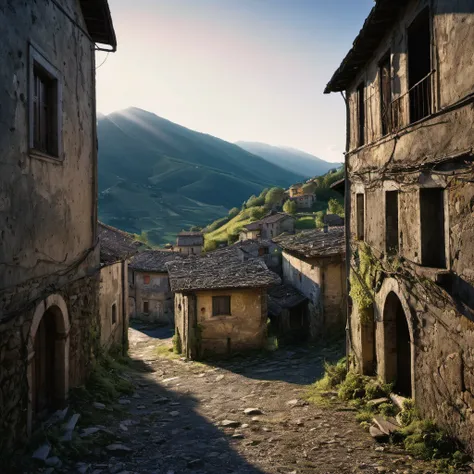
{"points": [[158, 177]]}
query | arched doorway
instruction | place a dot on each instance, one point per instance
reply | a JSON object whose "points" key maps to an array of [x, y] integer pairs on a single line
{"points": [[48, 359], [397, 346]]}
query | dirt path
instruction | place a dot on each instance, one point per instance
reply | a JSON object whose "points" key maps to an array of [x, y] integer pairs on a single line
{"points": [[187, 417]]}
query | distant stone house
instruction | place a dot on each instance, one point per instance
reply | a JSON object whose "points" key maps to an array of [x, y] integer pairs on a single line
{"points": [[304, 200], [190, 243], [116, 248], [296, 190], [265, 250], [314, 263], [333, 220], [151, 298], [272, 225], [49, 255], [220, 303]]}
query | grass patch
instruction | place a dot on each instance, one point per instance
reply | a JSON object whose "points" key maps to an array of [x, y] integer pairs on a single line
{"points": [[167, 352], [306, 222]]}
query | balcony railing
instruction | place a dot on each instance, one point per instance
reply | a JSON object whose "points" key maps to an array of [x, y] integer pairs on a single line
{"points": [[420, 106]]}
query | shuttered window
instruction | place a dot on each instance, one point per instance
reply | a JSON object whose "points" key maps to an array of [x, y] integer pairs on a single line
{"points": [[221, 305]]}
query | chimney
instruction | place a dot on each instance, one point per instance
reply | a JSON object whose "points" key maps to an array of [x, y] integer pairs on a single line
{"points": [[326, 229]]}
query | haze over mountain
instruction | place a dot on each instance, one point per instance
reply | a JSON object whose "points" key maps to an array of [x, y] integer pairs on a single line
{"points": [[157, 176], [290, 158]]}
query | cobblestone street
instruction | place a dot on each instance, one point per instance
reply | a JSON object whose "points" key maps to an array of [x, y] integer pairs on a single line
{"points": [[246, 415]]}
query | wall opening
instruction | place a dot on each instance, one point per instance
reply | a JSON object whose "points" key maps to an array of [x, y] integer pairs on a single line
{"points": [[146, 307], [361, 115], [397, 346], [114, 313], [368, 343], [433, 251], [419, 66], [391, 222], [221, 306], [385, 71], [360, 218]]}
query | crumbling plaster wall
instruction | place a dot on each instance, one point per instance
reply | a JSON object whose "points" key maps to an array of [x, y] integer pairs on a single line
{"points": [[157, 293], [243, 329], [47, 206], [113, 280], [441, 318]]}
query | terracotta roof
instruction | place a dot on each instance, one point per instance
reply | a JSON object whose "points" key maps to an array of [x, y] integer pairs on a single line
{"points": [[153, 260], [380, 20], [190, 239], [221, 269], [282, 297], [99, 21], [115, 244], [314, 243]]}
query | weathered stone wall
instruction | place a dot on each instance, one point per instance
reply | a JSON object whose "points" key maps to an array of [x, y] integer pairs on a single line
{"points": [[323, 283], [438, 304], [158, 295], [113, 282], [83, 337], [243, 329]]}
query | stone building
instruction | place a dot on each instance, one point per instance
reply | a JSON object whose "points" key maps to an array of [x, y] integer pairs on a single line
{"points": [[151, 298], [220, 303], [304, 200], [265, 250], [272, 225], [409, 88], [314, 263], [296, 190], [116, 248], [190, 243], [49, 253]]}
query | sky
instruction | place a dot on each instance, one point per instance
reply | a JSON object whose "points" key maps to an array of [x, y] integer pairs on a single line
{"points": [[251, 70]]}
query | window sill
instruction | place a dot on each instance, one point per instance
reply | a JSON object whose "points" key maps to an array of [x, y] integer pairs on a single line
{"points": [[221, 316], [434, 274], [44, 156]]}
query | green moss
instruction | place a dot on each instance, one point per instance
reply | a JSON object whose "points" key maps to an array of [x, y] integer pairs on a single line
{"points": [[177, 348]]}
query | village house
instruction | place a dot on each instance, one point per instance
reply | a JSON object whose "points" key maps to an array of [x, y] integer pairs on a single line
{"points": [[314, 263], [49, 252], [272, 225], [265, 250], [333, 220], [296, 190], [304, 200], [409, 86], [151, 298], [189, 243], [220, 303], [116, 248]]}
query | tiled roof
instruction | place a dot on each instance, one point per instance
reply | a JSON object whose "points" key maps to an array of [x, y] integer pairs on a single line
{"points": [[271, 218], [153, 260], [115, 244], [222, 269], [282, 297], [190, 239], [99, 21], [314, 243]]}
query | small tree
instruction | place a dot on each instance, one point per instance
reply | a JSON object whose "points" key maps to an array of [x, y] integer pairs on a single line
{"points": [[233, 212], [290, 207], [274, 196], [195, 228], [319, 219], [257, 212], [336, 207], [210, 245]]}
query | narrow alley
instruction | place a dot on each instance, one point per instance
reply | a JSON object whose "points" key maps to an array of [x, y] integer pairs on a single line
{"points": [[246, 415]]}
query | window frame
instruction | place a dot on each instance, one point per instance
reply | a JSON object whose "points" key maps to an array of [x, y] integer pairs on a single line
{"points": [[147, 303], [114, 314], [360, 216], [387, 57], [361, 115], [214, 309], [37, 59], [146, 279]]}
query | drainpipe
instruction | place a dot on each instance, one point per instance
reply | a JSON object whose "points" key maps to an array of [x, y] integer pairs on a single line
{"points": [[347, 225]]}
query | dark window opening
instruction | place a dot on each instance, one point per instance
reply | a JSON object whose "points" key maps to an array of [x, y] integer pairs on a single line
{"points": [[433, 252], [114, 313], [221, 305], [419, 66], [391, 222], [386, 94], [361, 115], [360, 210], [146, 307], [45, 133]]}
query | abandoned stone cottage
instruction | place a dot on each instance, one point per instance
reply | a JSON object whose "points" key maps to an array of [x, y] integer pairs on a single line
{"points": [[304, 201], [189, 243], [151, 298], [314, 263], [273, 224], [49, 253], [116, 249], [220, 303], [409, 86]]}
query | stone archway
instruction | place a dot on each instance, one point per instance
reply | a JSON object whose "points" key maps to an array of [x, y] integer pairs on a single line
{"points": [[48, 357], [397, 346]]}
